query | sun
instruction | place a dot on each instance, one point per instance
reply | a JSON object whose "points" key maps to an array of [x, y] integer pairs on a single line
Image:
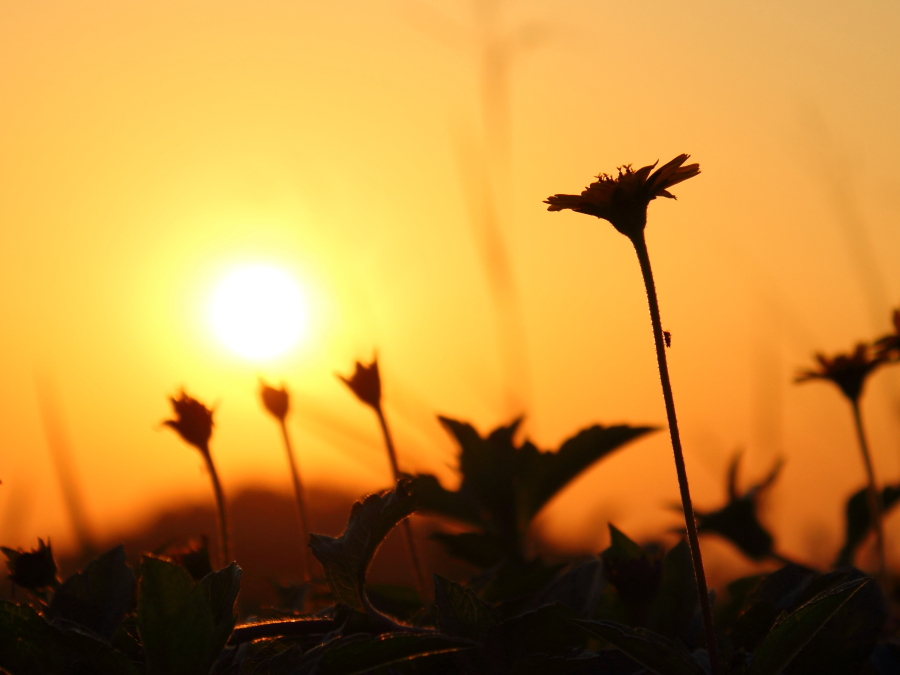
{"points": [[258, 312]]}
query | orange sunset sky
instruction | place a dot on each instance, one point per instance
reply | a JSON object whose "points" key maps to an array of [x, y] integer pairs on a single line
{"points": [[147, 149]]}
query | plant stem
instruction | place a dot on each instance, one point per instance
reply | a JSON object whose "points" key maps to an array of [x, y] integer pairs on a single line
{"points": [[301, 503], [407, 528], [640, 247], [871, 491], [224, 545]]}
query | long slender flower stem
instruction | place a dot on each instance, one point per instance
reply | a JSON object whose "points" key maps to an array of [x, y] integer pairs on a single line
{"points": [[871, 491], [301, 502], [407, 528], [224, 543], [640, 247]]}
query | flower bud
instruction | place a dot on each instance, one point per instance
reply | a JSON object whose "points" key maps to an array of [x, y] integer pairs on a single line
{"points": [[276, 401], [194, 421], [366, 383], [33, 570]]}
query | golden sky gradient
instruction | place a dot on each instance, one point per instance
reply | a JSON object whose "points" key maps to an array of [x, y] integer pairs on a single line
{"points": [[148, 148]]}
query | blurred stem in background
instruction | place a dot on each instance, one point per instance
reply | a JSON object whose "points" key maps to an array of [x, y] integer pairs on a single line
{"points": [[277, 402], [61, 455], [849, 373]]}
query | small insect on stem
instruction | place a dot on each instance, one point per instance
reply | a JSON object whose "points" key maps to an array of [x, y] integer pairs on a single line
{"points": [[667, 336]]}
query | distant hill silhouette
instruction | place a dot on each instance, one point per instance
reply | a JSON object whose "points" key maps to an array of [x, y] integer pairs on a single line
{"points": [[267, 544]]}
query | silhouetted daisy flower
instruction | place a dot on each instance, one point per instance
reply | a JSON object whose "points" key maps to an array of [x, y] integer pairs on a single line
{"points": [[276, 401], [847, 371], [623, 199]]}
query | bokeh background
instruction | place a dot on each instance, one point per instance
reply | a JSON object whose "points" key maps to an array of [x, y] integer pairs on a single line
{"points": [[394, 156]]}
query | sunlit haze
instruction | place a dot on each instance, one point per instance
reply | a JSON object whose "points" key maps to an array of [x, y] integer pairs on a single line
{"points": [[388, 166], [258, 312]]}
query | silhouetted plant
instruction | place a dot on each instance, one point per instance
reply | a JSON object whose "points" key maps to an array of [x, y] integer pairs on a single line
{"points": [[277, 402], [366, 384], [194, 423], [505, 485], [849, 373], [738, 521], [33, 570], [623, 200]]}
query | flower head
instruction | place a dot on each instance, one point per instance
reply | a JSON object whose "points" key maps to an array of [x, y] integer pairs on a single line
{"points": [[366, 383], [847, 371], [276, 401], [33, 570], [194, 421], [889, 346], [623, 199]]}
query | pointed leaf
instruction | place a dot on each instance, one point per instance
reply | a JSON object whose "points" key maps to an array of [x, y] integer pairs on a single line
{"points": [[544, 474], [579, 588], [361, 653], [476, 548], [654, 652], [221, 590], [794, 631], [672, 609], [30, 646], [546, 630], [633, 572], [460, 612], [183, 625], [97, 597], [435, 498], [859, 524], [346, 559], [844, 643]]}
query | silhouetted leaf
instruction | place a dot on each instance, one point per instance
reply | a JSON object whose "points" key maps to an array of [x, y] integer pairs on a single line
{"points": [[543, 631], [654, 652], [579, 587], [676, 600], [184, 625], [476, 548], [26, 642], [776, 593], [516, 581], [791, 633], [858, 522], [460, 612], [346, 559], [98, 596], [844, 644], [738, 520], [543, 474], [504, 486], [633, 572], [29, 646], [361, 653], [456, 505]]}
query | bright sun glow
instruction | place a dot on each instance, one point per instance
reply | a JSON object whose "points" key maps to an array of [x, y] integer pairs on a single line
{"points": [[258, 312]]}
